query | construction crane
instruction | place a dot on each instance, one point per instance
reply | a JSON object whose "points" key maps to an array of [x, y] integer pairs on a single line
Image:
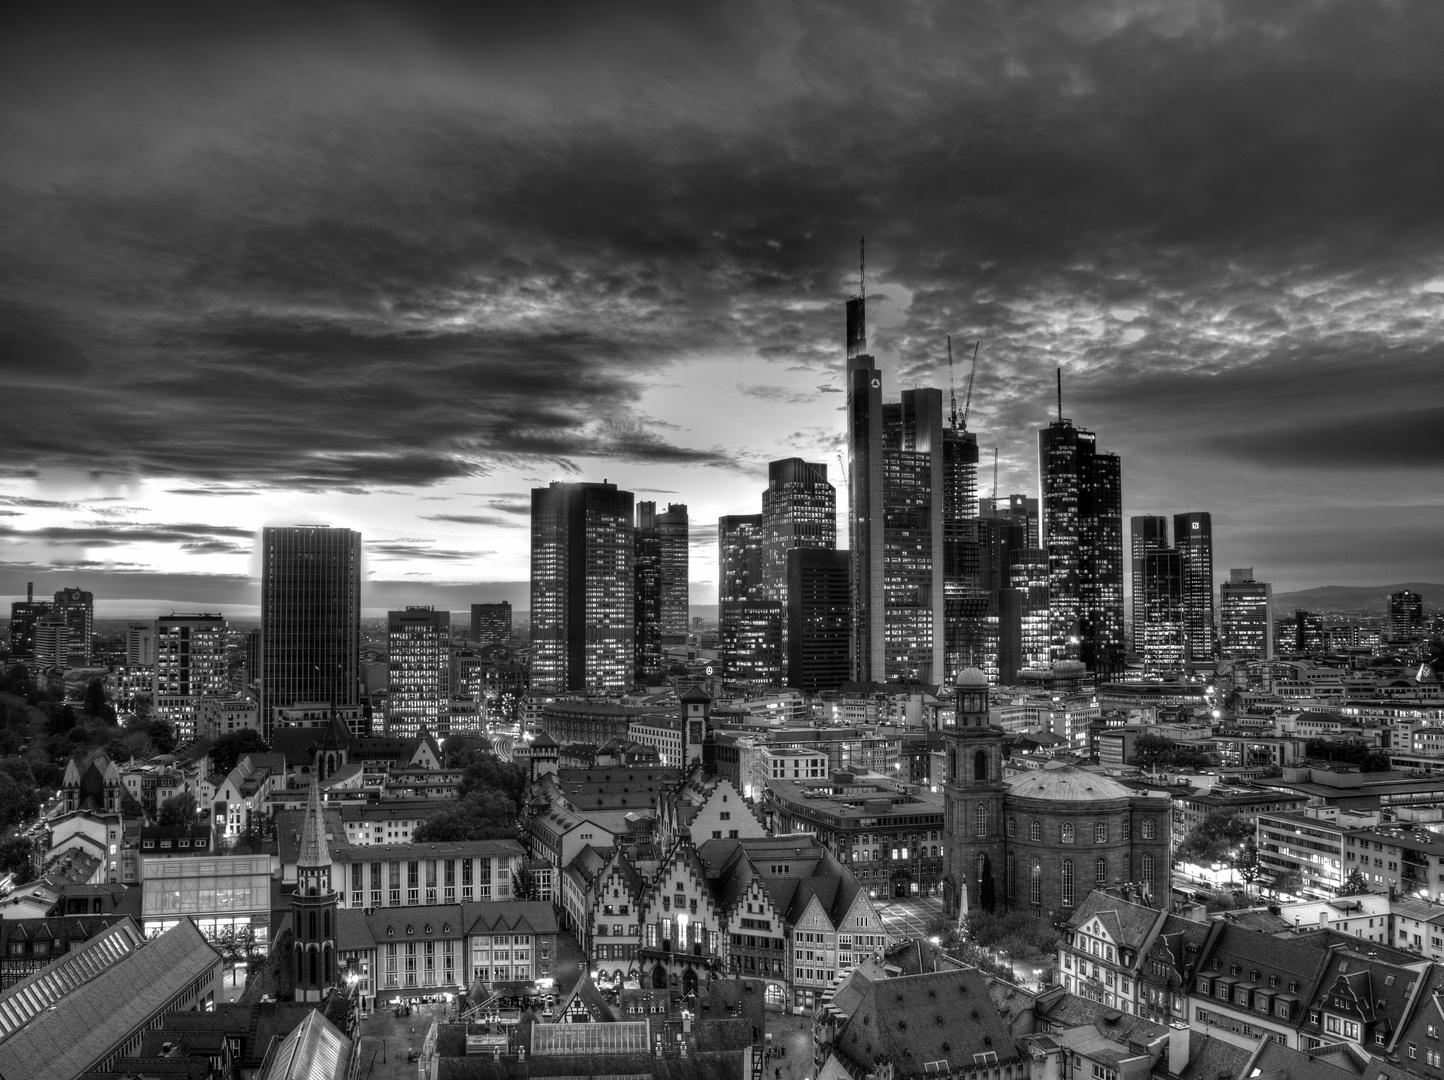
{"points": [[842, 468], [968, 404]]}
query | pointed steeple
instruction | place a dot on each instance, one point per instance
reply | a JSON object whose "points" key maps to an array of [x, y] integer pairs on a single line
{"points": [[314, 856]]}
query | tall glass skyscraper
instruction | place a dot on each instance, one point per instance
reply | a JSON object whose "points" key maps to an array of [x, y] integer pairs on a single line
{"points": [[1080, 498], [418, 658], [919, 606], [582, 613], [1193, 537], [1145, 533], [310, 617]]}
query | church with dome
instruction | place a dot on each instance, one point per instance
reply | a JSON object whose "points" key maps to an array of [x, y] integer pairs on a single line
{"points": [[1042, 841]]}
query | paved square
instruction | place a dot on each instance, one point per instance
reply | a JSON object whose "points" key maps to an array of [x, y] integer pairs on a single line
{"points": [[907, 919]]}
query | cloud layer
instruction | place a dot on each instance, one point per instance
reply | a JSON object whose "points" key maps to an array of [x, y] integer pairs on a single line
{"points": [[353, 249]]}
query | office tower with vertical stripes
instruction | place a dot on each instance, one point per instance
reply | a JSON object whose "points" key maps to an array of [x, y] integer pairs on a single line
{"points": [[749, 624], [310, 618], [418, 668], [1146, 532], [1080, 499], [672, 532], [1193, 537], [647, 592], [1246, 617], [77, 608], [491, 623], [190, 664], [582, 607]]}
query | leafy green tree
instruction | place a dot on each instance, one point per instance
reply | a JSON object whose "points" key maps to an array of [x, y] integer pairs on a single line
{"points": [[482, 770], [1355, 884], [482, 815], [233, 746], [1289, 882], [15, 801], [179, 809], [15, 858], [95, 700], [1217, 838], [1154, 751]]}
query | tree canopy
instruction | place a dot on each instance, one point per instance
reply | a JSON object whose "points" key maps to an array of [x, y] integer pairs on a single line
{"points": [[233, 746], [1219, 837], [179, 809], [481, 815], [1349, 753], [1154, 751]]}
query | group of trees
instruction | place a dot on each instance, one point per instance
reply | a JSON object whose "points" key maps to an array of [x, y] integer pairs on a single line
{"points": [[1349, 753], [1156, 752], [489, 807]]}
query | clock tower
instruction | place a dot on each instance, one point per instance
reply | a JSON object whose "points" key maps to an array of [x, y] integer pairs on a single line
{"points": [[973, 801]]}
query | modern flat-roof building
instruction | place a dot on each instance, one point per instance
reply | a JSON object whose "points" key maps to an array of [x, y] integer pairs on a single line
{"points": [[1246, 617], [491, 622], [77, 608], [1193, 539], [24, 614], [418, 656], [310, 647], [190, 665]]}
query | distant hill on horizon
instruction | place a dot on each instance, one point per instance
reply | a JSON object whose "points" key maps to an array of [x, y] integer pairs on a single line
{"points": [[1360, 599]]}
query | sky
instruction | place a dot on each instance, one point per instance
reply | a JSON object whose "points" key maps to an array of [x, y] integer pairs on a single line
{"points": [[391, 267]]}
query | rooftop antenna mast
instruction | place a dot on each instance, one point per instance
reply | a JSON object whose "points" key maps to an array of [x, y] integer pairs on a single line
{"points": [[862, 288], [1060, 395], [995, 481], [968, 404]]}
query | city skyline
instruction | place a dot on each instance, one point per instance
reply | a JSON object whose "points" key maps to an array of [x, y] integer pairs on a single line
{"points": [[264, 278]]}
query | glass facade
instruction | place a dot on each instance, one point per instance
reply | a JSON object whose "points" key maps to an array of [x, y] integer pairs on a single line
{"points": [[418, 642], [218, 893]]}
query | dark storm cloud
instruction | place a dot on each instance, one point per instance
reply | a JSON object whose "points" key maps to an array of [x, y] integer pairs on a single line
{"points": [[419, 550], [473, 519], [1413, 439], [340, 250], [114, 534]]}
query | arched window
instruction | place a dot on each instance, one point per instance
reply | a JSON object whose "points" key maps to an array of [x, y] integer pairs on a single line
{"points": [[1148, 874], [980, 820], [1035, 886], [1148, 828], [1011, 876], [1067, 882], [314, 980], [935, 851], [1012, 828], [1035, 831], [300, 964], [1100, 832], [952, 766], [1066, 833], [980, 766], [312, 935], [326, 922], [1100, 875]]}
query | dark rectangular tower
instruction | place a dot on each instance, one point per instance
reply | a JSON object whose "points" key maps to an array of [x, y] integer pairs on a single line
{"points": [[1193, 537], [582, 611], [310, 617], [819, 618]]}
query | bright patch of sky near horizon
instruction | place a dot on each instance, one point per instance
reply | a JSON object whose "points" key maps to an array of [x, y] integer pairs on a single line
{"points": [[391, 267]]}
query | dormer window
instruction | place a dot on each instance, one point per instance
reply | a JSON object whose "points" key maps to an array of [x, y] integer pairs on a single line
{"points": [[409, 930]]}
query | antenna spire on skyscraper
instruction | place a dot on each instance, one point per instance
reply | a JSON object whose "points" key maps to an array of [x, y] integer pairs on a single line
{"points": [[862, 286], [1060, 395]]}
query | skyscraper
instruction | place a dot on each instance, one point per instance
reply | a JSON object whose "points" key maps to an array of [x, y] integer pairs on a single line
{"points": [[819, 619], [1160, 634], [646, 593], [1405, 618], [1080, 501], [912, 518], [1145, 533], [1020, 509], [1246, 617], [491, 623], [799, 510], [673, 533], [582, 613], [418, 656], [190, 664], [24, 614], [1193, 537], [310, 617], [741, 603], [77, 607]]}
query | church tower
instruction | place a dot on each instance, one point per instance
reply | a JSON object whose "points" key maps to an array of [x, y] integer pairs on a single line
{"points": [[973, 800], [313, 907]]}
